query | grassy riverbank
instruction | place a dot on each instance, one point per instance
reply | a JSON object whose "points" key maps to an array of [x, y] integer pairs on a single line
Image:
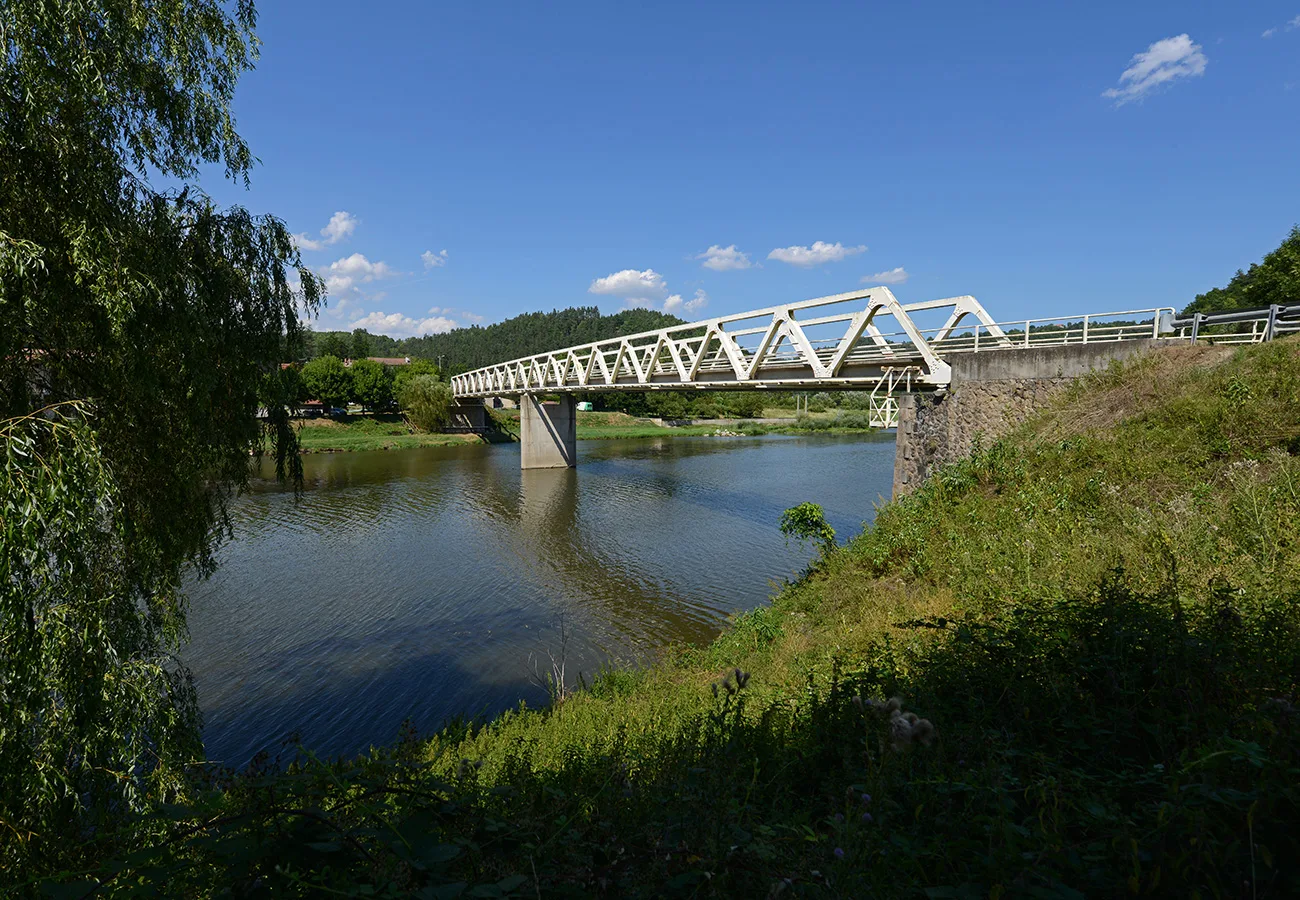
{"points": [[391, 432], [1097, 616], [378, 432]]}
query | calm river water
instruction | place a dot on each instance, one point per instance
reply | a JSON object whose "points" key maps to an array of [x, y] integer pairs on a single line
{"points": [[420, 583]]}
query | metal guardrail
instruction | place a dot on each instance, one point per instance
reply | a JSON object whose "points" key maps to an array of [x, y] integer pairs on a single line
{"points": [[1266, 323]]}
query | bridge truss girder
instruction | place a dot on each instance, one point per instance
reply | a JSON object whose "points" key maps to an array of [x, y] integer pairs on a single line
{"points": [[734, 353]]}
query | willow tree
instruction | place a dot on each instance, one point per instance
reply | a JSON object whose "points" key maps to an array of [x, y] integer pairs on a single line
{"points": [[140, 330]]}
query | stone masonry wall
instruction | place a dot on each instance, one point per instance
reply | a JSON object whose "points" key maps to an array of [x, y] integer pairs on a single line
{"points": [[990, 394]]}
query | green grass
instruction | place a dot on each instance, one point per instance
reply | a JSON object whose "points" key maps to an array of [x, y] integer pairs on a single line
{"points": [[377, 432], [1099, 615]]}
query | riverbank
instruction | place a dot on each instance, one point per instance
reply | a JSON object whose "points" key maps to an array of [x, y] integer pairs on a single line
{"points": [[391, 431], [1092, 632], [370, 432]]}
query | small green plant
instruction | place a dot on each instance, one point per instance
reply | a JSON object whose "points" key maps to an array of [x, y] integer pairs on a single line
{"points": [[807, 522]]}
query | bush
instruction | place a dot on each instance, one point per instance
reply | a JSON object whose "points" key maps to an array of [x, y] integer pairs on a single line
{"points": [[426, 401], [415, 367], [807, 522], [822, 401], [857, 400]]}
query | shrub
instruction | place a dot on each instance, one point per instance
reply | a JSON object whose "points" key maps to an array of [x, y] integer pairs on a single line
{"points": [[855, 400], [807, 522], [426, 401]]}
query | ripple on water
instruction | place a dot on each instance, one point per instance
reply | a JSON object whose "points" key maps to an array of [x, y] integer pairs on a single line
{"points": [[420, 583]]}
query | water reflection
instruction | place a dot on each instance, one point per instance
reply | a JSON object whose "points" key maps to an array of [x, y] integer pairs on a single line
{"points": [[419, 583]]}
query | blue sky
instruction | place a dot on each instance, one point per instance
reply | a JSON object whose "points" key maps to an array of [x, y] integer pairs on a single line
{"points": [[1045, 159]]}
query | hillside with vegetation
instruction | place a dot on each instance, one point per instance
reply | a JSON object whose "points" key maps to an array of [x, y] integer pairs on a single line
{"points": [[1273, 280], [1067, 666]]}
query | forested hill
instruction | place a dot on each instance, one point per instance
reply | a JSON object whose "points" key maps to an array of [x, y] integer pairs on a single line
{"points": [[482, 345]]}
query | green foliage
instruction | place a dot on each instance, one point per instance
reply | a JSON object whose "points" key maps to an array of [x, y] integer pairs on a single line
{"points": [[685, 404], [361, 344], [855, 400], [822, 401], [372, 384], [96, 719], [807, 522], [331, 343], [403, 374], [1275, 279], [326, 379], [426, 401], [168, 316]]}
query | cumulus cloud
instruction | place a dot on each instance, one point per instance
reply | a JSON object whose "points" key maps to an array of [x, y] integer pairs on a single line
{"points": [[434, 260], [340, 226], [344, 275], [399, 325], [675, 304], [724, 259], [1160, 64], [631, 284], [820, 252], [890, 276]]}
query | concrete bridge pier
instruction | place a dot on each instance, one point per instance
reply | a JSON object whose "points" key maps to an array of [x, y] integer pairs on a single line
{"points": [[548, 433]]}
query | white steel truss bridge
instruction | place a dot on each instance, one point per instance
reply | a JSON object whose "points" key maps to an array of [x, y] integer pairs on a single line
{"points": [[860, 340]]}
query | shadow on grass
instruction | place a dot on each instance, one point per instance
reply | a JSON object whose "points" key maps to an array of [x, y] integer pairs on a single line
{"points": [[1098, 745]]}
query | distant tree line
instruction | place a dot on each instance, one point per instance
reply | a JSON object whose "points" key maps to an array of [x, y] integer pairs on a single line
{"points": [[462, 349]]}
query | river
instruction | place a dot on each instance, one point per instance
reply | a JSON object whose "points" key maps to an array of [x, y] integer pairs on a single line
{"points": [[429, 583]]}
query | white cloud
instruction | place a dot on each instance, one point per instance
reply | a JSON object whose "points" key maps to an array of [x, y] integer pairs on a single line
{"points": [[1161, 63], [1269, 32], [675, 304], [890, 276], [398, 325], [340, 226], [344, 275], [1293, 24], [724, 259], [631, 285], [820, 252], [359, 268], [434, 260]]}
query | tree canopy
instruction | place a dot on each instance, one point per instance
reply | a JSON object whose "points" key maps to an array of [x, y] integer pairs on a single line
{"points": [[140, 330], [1273, 280]]}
